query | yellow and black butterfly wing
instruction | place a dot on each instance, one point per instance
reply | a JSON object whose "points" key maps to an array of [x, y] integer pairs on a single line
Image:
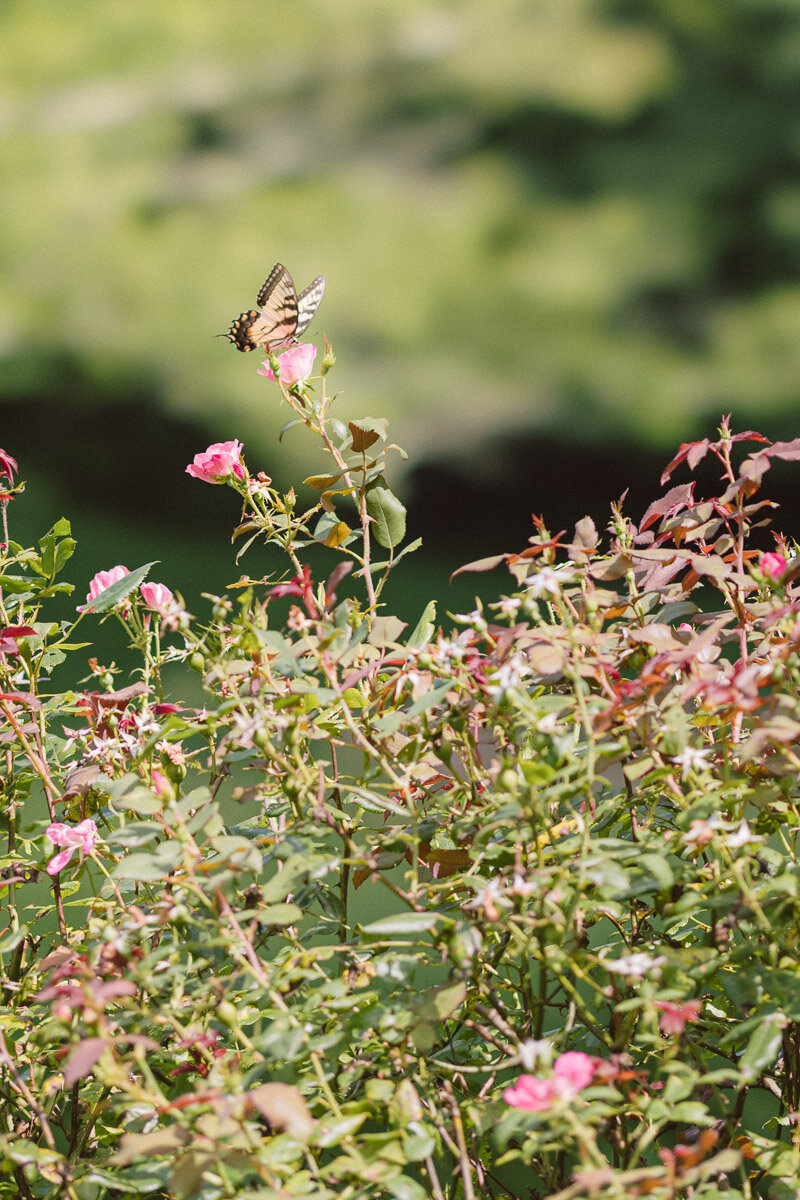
{"points": [[308, 303], [274, 324]]}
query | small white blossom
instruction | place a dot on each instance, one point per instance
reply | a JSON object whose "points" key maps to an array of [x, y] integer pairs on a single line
{"points": [[508, 606], [634, 964], [545, 582], [547, 723], [742, 836], [692, 759], [508, 675], [702, 831], [533, 1051]]}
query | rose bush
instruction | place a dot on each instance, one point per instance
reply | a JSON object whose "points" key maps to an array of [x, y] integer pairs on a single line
{"points": [[504, 909]]}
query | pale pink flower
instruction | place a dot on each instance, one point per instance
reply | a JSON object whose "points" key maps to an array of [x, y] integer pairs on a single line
{"points": [[572, 1072], [101, 582], [675, 1017], [773, 565], [294, 365], [74, 837], [218, 463], [157, 596]]}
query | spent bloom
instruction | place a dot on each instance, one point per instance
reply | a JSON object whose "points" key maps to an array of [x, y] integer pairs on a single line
{"points": [[675, 1017], [773, 565], [101, 582], [572, 1072], [294, 365], [73, 837], [218, 463]]}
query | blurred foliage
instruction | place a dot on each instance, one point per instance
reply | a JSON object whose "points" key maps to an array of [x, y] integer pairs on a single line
{"points": [[576, 214]]}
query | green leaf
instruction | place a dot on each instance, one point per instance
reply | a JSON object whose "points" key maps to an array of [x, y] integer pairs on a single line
{"points": [[424, 629], [405, 922], [321, 483], [280, 914], [111, 596], [388, 514], [404, 1188], [330, 1130], [442, 1002], [144, 868], [763, 1047], [285, 428], [18, 585], [657, 866], [692, 1112], [429, 699]]}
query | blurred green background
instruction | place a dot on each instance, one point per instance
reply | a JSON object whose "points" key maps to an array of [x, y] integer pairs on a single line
{"points": [[560, 237]]}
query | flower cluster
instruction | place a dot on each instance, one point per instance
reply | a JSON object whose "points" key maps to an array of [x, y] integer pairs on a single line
{"points": [[572, 1072]]}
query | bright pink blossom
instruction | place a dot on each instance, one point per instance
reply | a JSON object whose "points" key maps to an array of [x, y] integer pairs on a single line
{"points": [[294, 365], [675, 1017], [773, 565], [8, 465], [218, 463], [572, 1072], [101, 582], [157, 596], [74, 837]]}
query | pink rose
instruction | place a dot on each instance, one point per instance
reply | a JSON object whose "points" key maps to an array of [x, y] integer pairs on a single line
{"points": [[294, 366], [773, 565], [102, 581], [218, 463], [571, 1072], [157, 596], [531, 1093], [675, 1017], [75, 837]]}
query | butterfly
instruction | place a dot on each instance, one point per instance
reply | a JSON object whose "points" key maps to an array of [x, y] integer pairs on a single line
{"points": [[281, 315]]}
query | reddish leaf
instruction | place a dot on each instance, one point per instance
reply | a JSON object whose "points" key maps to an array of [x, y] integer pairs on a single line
{"points": [[691, 452], [789, 451], [671, 502], [482, 564], [284, 1107], [84, 1057]]}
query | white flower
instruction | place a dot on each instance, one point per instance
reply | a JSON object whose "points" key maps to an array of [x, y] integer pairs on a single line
{"points": [[533, 1051], [547, 581], [692, 759], [508, 606], [741, 837], [476, 619], [547, 723], [634, 964], [508, 675]]}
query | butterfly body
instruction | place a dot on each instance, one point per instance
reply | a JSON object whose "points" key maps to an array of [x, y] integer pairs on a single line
{"points": [[281, 315]]}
